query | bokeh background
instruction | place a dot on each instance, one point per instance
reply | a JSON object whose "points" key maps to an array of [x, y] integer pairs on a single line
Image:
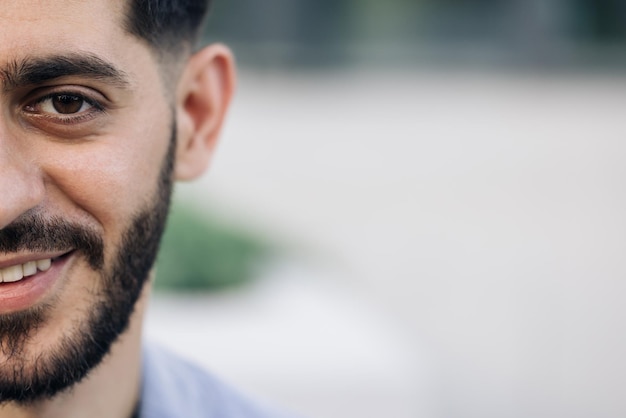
{"points": [[417, 210]]}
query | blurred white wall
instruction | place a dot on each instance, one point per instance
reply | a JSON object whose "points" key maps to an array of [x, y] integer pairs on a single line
{"points": [[482, 212]]}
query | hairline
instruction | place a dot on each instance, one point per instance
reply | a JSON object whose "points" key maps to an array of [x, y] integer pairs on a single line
{"points": [[168, 47], [172, 48]]}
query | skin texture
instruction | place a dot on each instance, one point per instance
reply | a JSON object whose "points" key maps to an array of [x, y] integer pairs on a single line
{"points": [[97, 169]]}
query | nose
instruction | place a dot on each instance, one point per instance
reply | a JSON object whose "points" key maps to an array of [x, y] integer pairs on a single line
{"points": [[21, 186]]}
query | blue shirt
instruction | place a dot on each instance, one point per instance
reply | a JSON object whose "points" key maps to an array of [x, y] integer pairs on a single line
{"points": [[175, 388]]}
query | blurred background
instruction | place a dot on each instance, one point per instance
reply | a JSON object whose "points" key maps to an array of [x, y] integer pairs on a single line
{"points": [[416, 210]]}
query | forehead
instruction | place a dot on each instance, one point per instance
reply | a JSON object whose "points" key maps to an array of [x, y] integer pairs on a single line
{"points": [[25, 21], [39, 28]]}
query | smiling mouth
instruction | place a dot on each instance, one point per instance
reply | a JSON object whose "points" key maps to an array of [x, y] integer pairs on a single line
{"points": [[19, 272]]}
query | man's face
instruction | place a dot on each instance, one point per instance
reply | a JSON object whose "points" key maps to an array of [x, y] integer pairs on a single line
{"points": [[86, 136]]}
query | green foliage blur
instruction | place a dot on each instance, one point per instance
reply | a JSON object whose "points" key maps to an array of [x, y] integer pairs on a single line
{"points": [[201, 253]]}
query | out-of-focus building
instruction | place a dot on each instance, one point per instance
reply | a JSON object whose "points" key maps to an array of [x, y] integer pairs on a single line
{"points": [[587, 33]]}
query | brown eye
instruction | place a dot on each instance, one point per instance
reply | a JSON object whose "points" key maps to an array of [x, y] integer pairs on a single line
{"points": [[66, 104], [61, 104], [66, 107]]}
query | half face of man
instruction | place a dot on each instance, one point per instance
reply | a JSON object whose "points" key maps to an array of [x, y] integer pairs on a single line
{"points": [[87, 144], [24, 379]]}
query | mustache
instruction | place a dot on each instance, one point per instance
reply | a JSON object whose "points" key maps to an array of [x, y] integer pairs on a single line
{"points": [[35, 233]]}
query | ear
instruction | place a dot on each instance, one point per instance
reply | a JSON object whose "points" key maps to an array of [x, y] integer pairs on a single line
{"points": [[203, 95]]}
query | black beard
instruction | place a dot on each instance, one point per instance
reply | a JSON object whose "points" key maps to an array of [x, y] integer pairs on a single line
{"points": [[84, 347]]}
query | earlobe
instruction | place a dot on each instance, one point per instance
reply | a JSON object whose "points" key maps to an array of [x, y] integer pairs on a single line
{"points": [[203, 96]]}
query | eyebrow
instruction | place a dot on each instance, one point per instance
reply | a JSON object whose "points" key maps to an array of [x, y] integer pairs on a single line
{"points": [[37, 70]]}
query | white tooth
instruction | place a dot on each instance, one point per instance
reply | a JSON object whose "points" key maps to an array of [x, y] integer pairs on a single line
{"points": [[29, 268], [44, 265], [12, 274]]}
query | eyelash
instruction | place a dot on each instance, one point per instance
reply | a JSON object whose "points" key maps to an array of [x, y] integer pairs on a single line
{"points": [[96, 107]]}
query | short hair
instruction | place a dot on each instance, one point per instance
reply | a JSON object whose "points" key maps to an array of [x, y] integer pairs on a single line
{"points": [[167, 25]]}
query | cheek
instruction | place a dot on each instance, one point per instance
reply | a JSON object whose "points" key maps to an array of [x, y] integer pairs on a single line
{"points": [[107, 181]]}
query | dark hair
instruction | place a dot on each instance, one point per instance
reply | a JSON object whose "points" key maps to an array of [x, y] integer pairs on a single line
{"points": [[167, 25]]}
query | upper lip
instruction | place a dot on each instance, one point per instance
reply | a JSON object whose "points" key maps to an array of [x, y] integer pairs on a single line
{"points": [[17, 259]]}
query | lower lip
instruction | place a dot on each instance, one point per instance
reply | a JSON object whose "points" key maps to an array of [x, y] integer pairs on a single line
{"points": [[31, 290]]}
